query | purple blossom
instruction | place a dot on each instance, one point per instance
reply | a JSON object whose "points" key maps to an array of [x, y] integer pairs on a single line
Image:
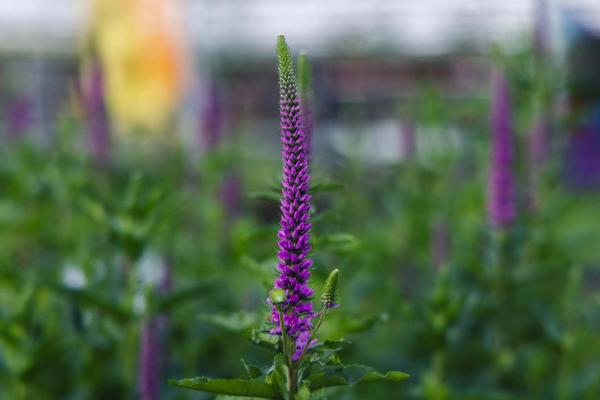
{"points": [[231, 193], [19, 117], [150, 360], [407, 138], [212, 119], [151, 346], [501, 207], [294, 263], [440, 244], [96, 112], [582, 161]]}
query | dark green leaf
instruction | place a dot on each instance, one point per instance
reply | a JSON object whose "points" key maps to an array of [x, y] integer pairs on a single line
{"points": [[352, 375], [252, 370]]}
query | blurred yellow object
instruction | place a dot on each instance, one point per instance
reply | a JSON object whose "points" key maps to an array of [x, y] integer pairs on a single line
{"points": [[140, 49]]}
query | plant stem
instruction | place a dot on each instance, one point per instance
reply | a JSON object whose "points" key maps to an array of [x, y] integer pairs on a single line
{"points": [[284, 340]]}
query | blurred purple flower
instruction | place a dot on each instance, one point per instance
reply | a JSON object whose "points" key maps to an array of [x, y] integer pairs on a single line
{"points": [[150, 360], [583, 160], [151, 346], [19, 117], [96, 112], [501, 207], [440, 244], [407, 139], [231, 193], [211, 124], [294, 247]]}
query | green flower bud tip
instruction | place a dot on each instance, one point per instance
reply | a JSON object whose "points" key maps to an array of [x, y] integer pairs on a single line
{"points": [[329, 296], [278, 296]]}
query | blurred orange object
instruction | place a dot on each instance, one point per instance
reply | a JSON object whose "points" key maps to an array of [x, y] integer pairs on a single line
{"points": [[139, 43]]}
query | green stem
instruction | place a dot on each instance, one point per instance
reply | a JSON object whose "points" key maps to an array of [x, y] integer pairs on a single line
{"points": [[284, 337]]}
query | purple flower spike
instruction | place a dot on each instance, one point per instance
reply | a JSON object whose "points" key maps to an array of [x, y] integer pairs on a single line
{"points": [[149, 368], [19, 117], [408, 139], [96, 113], [501, 208], [294, 247], [212, 118]]}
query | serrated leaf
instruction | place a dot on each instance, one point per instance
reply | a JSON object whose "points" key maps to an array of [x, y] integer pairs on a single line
{"points": [[351, 375], [231, 387]]}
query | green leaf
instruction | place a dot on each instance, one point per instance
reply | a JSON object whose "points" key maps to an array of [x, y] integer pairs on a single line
{"points": [[351, 375], [232, 387], [279, 376], [252, 370], [263, 339], [303, 393]]}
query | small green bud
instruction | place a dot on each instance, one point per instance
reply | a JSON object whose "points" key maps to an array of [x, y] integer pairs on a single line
{"points": [[278, 296], [329, 296]]}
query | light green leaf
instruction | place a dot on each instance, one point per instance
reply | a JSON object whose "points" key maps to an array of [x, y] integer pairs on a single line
{"points": [[232, 387]]}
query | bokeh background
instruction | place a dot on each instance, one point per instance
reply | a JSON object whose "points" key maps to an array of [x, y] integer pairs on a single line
{"points": [[139, 179]]}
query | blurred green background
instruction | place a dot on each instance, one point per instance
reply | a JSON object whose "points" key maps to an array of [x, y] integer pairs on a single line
{"points": [[139, 188]]}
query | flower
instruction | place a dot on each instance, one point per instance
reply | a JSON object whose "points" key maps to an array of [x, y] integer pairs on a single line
{"points": [[92, 88], [501, 208], [294, 247], [329, 296], [150, 360]]}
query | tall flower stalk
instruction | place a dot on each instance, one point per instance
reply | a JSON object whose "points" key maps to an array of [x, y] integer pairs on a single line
{"points": [[96, 113], [294, 233], [501, 207], [151, 344], [292, 327]]}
